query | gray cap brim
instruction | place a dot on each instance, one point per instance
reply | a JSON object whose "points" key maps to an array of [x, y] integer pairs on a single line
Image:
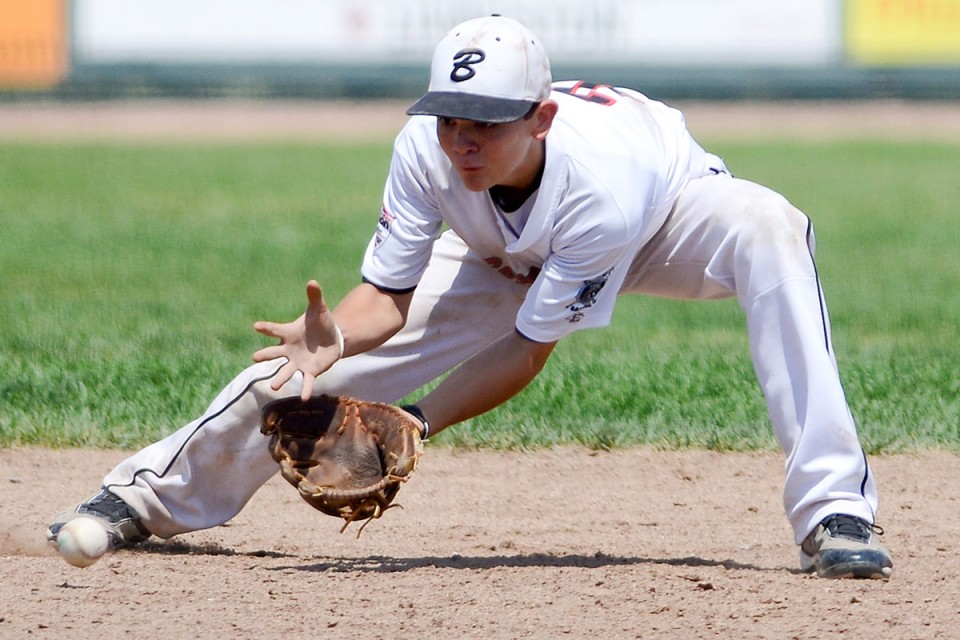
{"points": [[466, 106]]}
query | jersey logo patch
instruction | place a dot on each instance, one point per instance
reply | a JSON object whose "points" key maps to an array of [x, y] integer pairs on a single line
{"points": [[587, 295], [463, 62], [383, 227]]}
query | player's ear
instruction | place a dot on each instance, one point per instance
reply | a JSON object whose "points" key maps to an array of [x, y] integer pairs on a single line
{"points": [[544, 115]]}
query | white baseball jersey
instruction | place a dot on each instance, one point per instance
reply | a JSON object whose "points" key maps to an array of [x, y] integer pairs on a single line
{"points": [[615, 164], [628, 203]]}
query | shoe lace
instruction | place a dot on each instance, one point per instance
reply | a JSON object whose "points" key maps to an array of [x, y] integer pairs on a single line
{"points": [[852, 528], [109, 506]]}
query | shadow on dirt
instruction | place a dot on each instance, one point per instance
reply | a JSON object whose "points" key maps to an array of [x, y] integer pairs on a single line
{"points": [[385, 564], [178, 548], [388, 564]]}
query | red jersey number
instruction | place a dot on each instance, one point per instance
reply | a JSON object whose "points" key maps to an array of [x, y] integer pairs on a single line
{"points": [[602, 94]]}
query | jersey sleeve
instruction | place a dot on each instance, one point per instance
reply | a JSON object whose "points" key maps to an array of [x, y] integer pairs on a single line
{"points": [[409, 221], [621, 165], [578, 285]]}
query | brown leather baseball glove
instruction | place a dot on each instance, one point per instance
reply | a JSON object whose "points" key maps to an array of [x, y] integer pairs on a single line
{"points": [[346, 457]]}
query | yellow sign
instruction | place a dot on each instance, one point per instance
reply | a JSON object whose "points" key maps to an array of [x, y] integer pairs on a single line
{"points": [[903, 32], [33, 43]]}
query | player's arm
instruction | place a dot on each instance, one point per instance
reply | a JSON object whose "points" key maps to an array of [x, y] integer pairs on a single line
{"points": [[366, 318], [487, 380]]}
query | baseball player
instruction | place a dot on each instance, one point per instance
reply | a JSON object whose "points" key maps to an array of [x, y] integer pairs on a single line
{"points": [[515, 212]]}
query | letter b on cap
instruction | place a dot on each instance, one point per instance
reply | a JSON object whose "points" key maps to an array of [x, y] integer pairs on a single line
{"points": [[463, 62]]}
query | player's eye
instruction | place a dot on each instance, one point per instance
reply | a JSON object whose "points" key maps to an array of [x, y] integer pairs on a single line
{"points": [[446, 121]]}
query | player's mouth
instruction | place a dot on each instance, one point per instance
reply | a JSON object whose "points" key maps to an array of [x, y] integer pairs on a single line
{"points": [[474, 179], [470, 172]]}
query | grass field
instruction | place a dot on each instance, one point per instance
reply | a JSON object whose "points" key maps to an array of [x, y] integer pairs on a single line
{"points": [[131, 276]]}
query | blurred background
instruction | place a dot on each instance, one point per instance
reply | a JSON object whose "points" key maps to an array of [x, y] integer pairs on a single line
{"points": [[672, 49]]}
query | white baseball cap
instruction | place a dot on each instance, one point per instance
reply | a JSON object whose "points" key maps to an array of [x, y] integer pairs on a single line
{"points": [[490, 69]]}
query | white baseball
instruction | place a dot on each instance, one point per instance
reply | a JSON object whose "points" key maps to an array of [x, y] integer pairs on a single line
{"points": [[82, 541]]}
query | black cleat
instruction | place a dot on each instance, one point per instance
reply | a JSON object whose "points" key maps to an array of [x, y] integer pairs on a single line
{"points": [[122, 523], [845, 546]]}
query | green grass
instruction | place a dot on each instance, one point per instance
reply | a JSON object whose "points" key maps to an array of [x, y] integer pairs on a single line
{"points": [[131, 276]]}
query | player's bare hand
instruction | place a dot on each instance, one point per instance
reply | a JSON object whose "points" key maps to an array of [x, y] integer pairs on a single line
{"points": [[310, 343]]}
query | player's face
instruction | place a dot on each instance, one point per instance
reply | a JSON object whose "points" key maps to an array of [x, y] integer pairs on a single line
{"points": [[485, 155]]}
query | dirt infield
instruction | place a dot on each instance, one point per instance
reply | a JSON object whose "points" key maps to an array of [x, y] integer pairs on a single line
{"points": [[188, 121], [563, 543]]}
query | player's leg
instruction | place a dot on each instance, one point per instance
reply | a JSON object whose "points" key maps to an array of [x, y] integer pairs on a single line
{"points": [[204, 473], [733, 237], [197, 477]]}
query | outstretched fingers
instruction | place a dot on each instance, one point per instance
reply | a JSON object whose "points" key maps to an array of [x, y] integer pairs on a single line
{"points": [[315, 300], [311, 343], [274, 351]]}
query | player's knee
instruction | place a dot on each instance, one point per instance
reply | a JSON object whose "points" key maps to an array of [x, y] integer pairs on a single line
{"points": [[771, 222]]}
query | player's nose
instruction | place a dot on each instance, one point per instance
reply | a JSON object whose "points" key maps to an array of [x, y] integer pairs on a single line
{"points": [[464, 140]]}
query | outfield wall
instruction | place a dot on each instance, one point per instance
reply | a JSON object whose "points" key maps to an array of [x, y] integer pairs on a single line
{"points": [[381, 48]]}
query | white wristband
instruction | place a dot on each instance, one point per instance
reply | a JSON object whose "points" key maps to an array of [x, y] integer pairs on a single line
{"points": [[339, 335]]}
